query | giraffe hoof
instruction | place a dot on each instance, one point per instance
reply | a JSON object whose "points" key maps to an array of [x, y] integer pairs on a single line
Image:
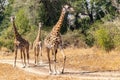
{"points": [[36, 64], [14, 66], [41, 62], [58, 72], [62, 72], [54, 73], [23, 66], [50, 72]]}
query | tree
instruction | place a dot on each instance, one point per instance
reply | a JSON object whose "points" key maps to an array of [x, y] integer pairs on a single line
{"points": [[116, 3], [22, 22], [2, 8], [5, 13], [52, 10]]}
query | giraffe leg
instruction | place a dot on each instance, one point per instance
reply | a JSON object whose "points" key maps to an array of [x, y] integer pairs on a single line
{"points": [[21, 55], [54, 52], [24, 56], [35, 55], [64, 58], [27, 51], [16, 49], [40, 54], [48, 55], [41, 50]]}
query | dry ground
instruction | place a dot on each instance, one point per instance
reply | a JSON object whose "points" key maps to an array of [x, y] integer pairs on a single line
{"points": [[93, 61], [7, 72]]}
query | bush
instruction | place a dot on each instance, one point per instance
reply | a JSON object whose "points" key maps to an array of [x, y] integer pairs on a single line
{"points": [[90, 40], [22, 22], [74, 39], [104, 39], [9, 45], [1, 43], [6, 39]]}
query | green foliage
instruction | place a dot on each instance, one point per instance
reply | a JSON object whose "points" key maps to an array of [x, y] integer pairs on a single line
{"points": [[90, 40], [114, 32], [42, 13], [4, 20], [85, 23], [117, 41], [6, 40], [72, 36], [30, 12], [2, 8], [32, 34], [103, 39], [22, 22], [1, 43], [9, 44], [79, 5], [51, 11]]}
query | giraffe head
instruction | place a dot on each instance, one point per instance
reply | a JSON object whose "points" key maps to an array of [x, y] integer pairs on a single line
{"points": [[40, 24], [67, 8], [12, 18]]}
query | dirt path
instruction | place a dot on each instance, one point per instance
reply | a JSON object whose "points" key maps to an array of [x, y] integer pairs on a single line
{"points": [[43, 70]]}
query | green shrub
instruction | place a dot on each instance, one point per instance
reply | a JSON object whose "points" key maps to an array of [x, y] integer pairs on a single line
{"points": [[22, 22], [1, 43], [6, 39], [103, 39], [9, 44], [90, 40]]}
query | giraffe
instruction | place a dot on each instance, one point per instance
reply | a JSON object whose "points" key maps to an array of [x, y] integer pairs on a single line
{"points": [[37, 45], [53, 41], [20, 43]]}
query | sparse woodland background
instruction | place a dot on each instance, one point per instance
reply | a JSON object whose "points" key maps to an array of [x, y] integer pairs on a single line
{"points": [[94, 22]]}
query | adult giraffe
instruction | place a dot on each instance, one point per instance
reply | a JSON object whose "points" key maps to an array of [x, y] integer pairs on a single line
{"points": [[53, 41], [20, 43]]}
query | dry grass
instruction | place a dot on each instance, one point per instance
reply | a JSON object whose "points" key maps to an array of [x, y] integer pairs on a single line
{"points": [[7, 72], [93, 60], [90, 59]]}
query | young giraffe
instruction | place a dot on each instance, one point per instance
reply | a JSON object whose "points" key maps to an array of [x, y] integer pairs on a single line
{"points": [[54, 41], [37, 45], [20, 43]]}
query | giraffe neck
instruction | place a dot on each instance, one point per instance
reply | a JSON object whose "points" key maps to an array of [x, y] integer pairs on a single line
{"points": [[56, 28], [39, 35], [16, 34]]}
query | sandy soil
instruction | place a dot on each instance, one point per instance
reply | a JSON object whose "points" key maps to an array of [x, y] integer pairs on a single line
{"points": [[82, 64], [42, 70]]}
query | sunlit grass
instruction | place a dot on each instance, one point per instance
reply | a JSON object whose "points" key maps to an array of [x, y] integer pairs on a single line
{"points": [[7, 72], [90, 59]]}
